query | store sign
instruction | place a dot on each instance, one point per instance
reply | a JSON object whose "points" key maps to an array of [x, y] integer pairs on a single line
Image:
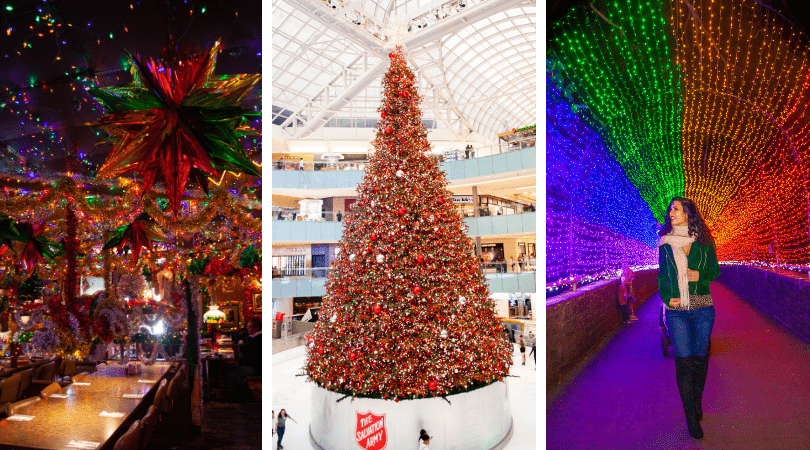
{"points": [[290, 251], [371, 433], [462, 199]]}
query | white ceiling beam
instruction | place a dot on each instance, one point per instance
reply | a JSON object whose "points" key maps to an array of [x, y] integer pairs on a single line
{"points": [[315, 10], [456, 22], [319, 118]]}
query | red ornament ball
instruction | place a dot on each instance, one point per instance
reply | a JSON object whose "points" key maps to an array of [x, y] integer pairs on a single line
{"points": [[383, 115], [389, 130], [373, 236], [352, 356], [406, 94], [377, 308], [417, 290], [442, 200], [514, 129], [420, 259], [432, 385], [401, 210], [392, 55], [320, 349]]}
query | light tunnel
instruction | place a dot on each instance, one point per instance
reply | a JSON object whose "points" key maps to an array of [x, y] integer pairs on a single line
{"points": [[648, 100]]}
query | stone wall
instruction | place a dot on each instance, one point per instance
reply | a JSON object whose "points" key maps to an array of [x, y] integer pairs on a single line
{"points": [[576, 322], [783, 295]]}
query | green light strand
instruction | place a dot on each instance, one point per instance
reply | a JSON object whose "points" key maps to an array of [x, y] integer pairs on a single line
{"points": [[621, 66]]}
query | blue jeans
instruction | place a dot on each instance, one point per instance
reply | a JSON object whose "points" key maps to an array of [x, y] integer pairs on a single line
{"points": [[280, 435], [690, 330]]}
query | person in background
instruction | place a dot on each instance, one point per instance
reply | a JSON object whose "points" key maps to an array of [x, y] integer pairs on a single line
{"points": [[626, 279], [281, 424], [467, 152], [522, 350], [533, 342], [301, 164], [250, 360], [623, 305], [339, 216], [424, 440]]}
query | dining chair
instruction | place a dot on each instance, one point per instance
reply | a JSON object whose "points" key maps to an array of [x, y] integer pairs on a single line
{"points": [[80, 376], [131, 439], [9, 387], [67, 370], [21, 404], [148, 423], [25, 383], [52, 388], [160, 395], [46, 372]]}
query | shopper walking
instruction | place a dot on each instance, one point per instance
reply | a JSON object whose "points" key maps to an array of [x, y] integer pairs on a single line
{"points": [[281, 424], [522, 350], [687, 263], [301, 164], [532, 340], [424, 440]]}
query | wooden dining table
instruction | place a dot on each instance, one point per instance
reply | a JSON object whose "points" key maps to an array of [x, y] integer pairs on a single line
{"points": [[88, 414]]}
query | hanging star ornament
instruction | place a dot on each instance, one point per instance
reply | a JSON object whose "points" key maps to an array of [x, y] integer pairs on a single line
{"points": [[396, 31], [8, 234], [35, 246], [137, 235], [177, 120]]}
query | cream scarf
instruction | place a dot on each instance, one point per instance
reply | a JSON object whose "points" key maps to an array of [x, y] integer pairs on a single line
{"points": [[679, 238]]}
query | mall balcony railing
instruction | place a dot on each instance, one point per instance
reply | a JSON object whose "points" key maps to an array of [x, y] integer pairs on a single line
{"points": [[294, 214], [311, 282], [327, 228], [343, 176], [450, 155]]}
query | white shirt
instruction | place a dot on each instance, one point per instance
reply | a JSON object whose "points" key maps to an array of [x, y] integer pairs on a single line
{"points": [[423, 446]]}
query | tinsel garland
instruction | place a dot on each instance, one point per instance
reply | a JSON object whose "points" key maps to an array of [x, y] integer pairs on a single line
{"points": [[124, 209]]}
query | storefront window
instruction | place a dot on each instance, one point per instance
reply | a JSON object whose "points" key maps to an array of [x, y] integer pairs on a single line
{"points": [[290, 266]]}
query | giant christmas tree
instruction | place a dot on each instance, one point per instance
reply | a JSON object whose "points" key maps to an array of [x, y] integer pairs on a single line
{"points": [[406, 314]]}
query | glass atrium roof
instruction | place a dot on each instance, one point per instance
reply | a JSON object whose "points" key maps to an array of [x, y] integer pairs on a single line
{"points": [[475, 62]]}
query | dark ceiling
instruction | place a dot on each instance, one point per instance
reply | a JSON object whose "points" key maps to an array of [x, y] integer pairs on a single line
{"points": [[52, 51]]}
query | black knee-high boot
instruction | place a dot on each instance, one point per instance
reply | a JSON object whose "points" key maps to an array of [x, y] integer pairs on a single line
{"points": [[701, 364], [685, 376]]}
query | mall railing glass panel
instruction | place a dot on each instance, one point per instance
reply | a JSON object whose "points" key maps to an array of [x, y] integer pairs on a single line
{"points": [[313, 281], [456, 170], [307, 231], [331, 231]]}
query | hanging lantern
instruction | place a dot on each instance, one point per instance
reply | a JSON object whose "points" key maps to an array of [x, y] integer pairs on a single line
{"points": [[214, 315]]}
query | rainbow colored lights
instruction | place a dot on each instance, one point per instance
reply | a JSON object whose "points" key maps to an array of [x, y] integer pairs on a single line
{"points": [[705, 99]]}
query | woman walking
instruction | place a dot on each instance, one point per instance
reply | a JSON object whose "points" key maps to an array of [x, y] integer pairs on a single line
{"points": [[280, 425], [687, 263], [523, 350]]}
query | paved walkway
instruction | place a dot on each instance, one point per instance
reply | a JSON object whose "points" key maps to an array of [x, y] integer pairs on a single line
{"points": [[625, 397]]}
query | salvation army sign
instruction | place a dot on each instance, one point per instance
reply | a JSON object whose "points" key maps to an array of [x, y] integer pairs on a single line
{"points": [[370, 432], [476, 420]]}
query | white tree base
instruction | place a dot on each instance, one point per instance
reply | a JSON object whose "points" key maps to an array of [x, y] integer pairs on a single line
{"points": [[476, 420]]}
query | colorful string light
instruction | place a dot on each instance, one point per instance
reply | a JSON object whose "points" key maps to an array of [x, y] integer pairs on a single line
{"points": [[724, 86]]}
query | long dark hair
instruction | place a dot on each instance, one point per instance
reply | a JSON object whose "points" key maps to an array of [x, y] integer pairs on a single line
{"points": [[697, 227], [282, 411]]}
